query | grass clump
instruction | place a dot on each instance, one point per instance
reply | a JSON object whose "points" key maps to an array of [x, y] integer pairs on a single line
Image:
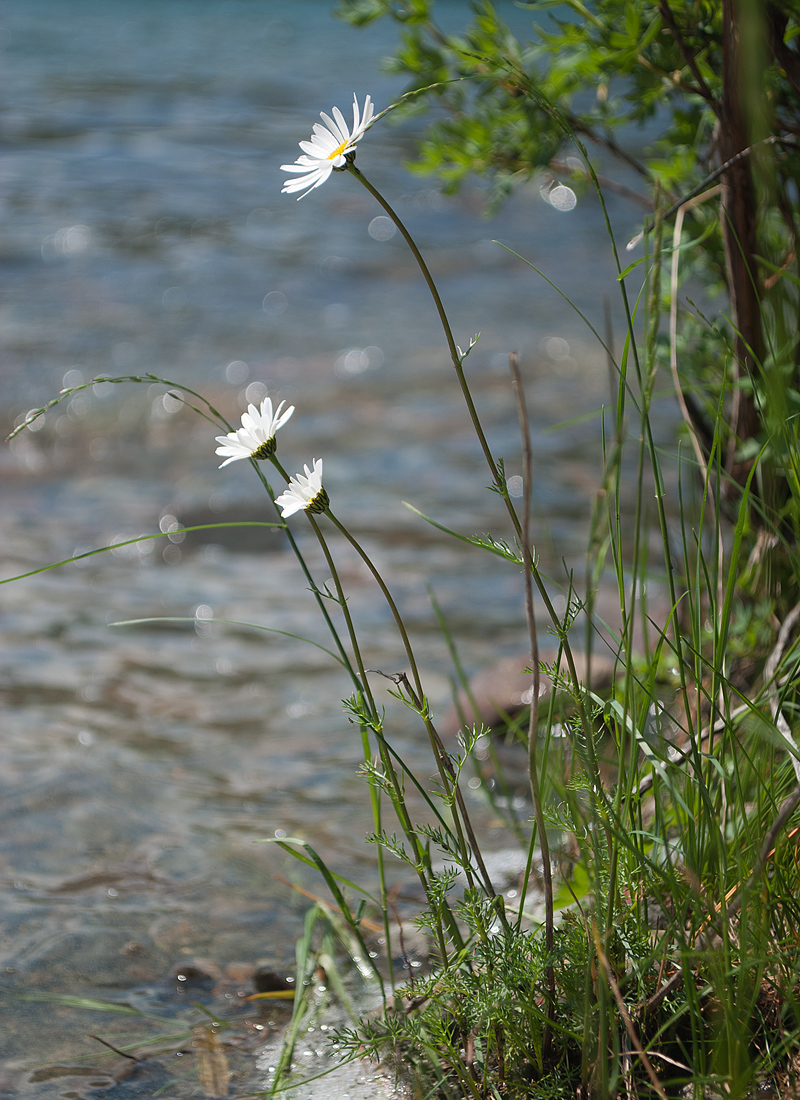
{"points": [[651, 945]]}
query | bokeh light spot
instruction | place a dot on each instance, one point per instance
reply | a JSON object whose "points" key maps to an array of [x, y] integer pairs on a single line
{"points": [[354, 361], [357, 360], [68, 241], [174, 298], [77, 408], [34, 425], [556, 348], [255, 393], [381, 228], [333, 266], [237, 372], [163, 407], [275, 303], [73, 377], [562, 198]]}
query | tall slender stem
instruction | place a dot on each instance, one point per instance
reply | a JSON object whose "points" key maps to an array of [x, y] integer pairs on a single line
{"points": [[455, 355], [447, 775], [397, 799], [499, 481], [362, 687], [363, 684], [307, 573], [533, 722]]}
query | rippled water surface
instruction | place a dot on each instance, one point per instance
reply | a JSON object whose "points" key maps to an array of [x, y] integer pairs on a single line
{"points": [[143, 230]]}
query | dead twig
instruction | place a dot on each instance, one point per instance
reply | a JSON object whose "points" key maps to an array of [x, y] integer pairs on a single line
{"points": [[105, 1042]]}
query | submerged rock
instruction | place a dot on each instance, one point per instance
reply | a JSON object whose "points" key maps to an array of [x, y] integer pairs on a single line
{"points": [[505, 688]]}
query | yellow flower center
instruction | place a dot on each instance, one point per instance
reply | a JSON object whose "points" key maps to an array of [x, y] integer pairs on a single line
{"points": [[338, 150]]}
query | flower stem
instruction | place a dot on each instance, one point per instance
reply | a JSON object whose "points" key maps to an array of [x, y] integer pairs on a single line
{"points": [[361, 684], [533, 720], [455, 355], [499, 481], [307, 573], [447, 775]]}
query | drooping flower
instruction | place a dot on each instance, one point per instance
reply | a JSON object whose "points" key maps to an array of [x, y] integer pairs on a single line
{"points": [[304, 493], [256, 437], [327, 149]]}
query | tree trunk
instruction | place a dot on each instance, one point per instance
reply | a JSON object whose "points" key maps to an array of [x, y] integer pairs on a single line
{"points": [[738, 208]]}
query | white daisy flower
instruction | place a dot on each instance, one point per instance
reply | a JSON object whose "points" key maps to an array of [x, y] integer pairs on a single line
{"points": [[256, 437], [304, 493], [327, 149]]}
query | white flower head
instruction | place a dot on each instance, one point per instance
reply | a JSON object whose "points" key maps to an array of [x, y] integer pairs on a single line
{"points": [[256, 437], [327, 149], [304, 493]]}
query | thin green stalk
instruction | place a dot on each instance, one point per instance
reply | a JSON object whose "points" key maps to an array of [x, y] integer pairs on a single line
{"points": [[398, 801], [533, 721], [307, 574], [363, 687], [362, 684], [374, 793], [455, 355], [457, 360], [629, 619], [448, 779]]}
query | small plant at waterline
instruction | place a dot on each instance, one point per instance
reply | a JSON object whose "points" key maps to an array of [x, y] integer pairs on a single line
{"points": [[663, 953]]}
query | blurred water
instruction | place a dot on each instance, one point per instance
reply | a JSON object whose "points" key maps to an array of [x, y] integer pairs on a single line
{"points": [[142, 230]]}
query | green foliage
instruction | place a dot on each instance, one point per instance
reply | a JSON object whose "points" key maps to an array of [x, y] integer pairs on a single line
{"points": [[614, 49], [719, 85], [604, 65]]}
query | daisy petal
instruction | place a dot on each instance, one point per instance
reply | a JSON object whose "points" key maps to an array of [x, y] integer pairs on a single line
{"points": [[304, 493], [256, 437], [331, 142]]}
